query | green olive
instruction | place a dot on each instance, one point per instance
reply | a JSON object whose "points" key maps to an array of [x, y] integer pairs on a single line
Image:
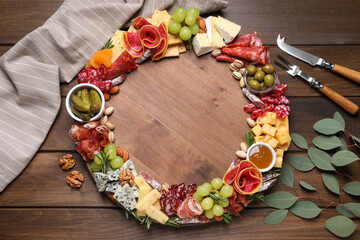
{"points": [[251, 70], [254, 84], [269, 80], [259, 68], [262, 86], [259, 75], [268, 68]]}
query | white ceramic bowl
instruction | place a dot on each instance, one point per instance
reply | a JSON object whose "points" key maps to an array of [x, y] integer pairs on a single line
{"points": [[272, 152], [81, 86]]}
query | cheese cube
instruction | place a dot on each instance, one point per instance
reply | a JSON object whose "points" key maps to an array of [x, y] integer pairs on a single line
{"points": [[118, 42], [259, 139], [226, 28], [279, 157], [269, 118], [268, 129], [148, 200], [285, 146], [256, 130], [282, 123], [201, 44], [272, 142], [156, 214], [215, 37], [283, 137]]}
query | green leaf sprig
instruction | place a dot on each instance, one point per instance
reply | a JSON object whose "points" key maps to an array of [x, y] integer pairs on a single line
{"points": [[227, 217], [249, 138], [217, 197], [109, 44], [173, 222]]}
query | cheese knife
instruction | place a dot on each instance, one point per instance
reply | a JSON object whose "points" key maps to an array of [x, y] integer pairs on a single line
{"points": [[314, 60]]}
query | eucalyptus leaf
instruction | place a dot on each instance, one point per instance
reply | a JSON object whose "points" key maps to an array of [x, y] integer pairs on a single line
{"points": [[307, 186], [356, 139], [352, 188], [341, 209], [301, 163], [326, 142], [340, 119], [343, 158], [353, 208], [343, 144], [299, 141], [276, 217], [331, 182], [320, 159], [305, 209], [287, 175], [280, 200], [328, 126], [340, 226]]}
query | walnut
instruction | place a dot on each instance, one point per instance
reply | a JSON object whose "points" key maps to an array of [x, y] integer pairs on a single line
{"points": [[75, 179], [126, 176], [66, 162]]}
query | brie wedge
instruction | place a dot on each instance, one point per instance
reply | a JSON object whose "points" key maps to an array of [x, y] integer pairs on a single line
{"points": [[201, 44], [226, 28]]}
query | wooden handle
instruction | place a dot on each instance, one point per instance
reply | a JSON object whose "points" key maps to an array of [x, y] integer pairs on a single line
{"points": [[345, 103], [347, 72]]}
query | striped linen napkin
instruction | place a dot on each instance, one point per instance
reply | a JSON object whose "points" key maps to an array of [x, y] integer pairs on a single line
{"points": [[31, 71]]}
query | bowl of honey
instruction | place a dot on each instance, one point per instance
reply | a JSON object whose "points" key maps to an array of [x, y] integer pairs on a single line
{"points": [[262, 155]]}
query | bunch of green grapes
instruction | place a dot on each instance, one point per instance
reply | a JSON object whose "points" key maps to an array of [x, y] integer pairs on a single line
{"points": [[184, 23], [213, 197], [110, 155]]}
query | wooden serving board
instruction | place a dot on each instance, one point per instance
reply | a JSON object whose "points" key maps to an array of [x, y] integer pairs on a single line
{"points": [[181, 119]]}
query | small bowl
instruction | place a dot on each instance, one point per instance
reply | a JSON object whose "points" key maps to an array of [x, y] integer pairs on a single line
{"points": [[258, 92], [272, 152], [69, 104]]}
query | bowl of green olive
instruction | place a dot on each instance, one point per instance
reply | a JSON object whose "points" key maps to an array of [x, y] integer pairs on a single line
{"points": [[259, 78], [85, 102]]}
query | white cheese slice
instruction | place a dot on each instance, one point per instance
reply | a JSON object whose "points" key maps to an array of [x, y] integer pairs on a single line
{"points": [[201, 44], [215, 37], [226, 28]]}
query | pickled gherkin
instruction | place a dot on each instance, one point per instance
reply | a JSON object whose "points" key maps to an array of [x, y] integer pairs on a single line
{"points": [[79, 104], [86, 103], [95, 101], [85, 95], [83, 115]]}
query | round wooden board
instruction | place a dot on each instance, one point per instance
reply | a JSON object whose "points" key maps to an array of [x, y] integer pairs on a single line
{"points": [[181, 119]]}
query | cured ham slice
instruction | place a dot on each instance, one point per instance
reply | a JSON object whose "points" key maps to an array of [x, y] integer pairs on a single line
{"points": [[189, 208], [88, 149]]}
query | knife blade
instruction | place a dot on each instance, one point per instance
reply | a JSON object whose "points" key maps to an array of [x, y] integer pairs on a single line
{"points": [[314, 60]]}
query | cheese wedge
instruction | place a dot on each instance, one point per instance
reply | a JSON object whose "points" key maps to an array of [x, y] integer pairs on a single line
{"points": [[215, 38], [156, 214], [117, 41], [201, 44], [226, 28], [148, 200]]}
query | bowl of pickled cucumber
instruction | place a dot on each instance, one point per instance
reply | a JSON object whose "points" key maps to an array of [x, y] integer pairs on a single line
{"points": [[259, 78], [85, 102]]}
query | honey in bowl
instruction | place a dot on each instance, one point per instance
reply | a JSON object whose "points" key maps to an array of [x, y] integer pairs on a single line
{"points": [[261, 156]]}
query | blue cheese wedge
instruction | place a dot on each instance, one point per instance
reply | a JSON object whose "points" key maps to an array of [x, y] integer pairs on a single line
{"points": [[215, 37], [114, 175], [202, 45], [126, 197], [226, 28], [101, 180]]}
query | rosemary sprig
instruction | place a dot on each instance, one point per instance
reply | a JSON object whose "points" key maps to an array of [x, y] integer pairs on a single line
{"points": [[273, 170], [172, 222], [217, 197], [257, 196], [227, 217], [147, 221], [249, 138], [105, 162], [109, 44]]}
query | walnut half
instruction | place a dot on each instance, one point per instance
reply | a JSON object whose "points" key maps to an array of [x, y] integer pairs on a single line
{"points": [[75, 179], [66, 162]]}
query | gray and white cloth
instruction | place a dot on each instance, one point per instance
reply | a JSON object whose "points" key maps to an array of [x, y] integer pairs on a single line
{"points": [[31, 71]]}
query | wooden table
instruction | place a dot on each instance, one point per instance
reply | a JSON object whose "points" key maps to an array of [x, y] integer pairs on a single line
{"points": [[40, 205]]}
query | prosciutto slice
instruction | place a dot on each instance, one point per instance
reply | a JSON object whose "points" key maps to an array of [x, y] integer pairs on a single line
{"points": [[189, 208]]}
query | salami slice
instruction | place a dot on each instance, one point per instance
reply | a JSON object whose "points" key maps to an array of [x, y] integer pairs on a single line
{"points": [[254, 54], [248, 180], [139, 22], [230, 59], [90, 74], [123, 64], [246, 40], [133, 44]]}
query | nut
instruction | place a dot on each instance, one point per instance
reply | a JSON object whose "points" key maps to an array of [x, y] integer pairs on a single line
{"points": [[126, 156], [75, 179], [103, 120], [111, 136], [242, 83], [110, 125], [119, 151], [250, 122], [216, 52], [108, 111], [243, 147], [233, 68], [107, 96], [241, 154], [237, 75], [66, 162], [126, 176], [242, 70], [114, 90], [238, 63]]}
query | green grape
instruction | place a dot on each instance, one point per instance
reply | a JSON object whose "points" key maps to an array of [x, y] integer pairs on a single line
{"points": [[190, 20], [217, 210], [174, 27], [207, 203], [216, 183], [117, 162], [194, 29], [226, 191], [197, 197], [110, 145], [181, 10], [202, 191], [209, 214], [207, 185], [94, 167], [111, 153], [185, 33], [178, 16], [98, 159], [224, 203], [193, 12]]}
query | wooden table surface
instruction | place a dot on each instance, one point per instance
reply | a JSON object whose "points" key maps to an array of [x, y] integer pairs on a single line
{"points": [[40, 205]]}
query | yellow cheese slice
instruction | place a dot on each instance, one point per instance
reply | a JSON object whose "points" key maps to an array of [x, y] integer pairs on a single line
{"points": [[285, 146], [156, 214], [269, 118], [157, 205], [117, 41], [172, 51], [282, 126], [279, 157], [148, 200]]}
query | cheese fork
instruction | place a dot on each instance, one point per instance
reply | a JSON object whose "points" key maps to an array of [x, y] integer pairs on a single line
{"points": [[294, 70]]}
